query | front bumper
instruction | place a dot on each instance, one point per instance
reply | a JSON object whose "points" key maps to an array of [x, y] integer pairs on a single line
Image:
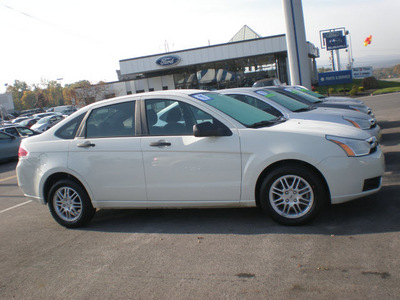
{"points": [[350, 178]]}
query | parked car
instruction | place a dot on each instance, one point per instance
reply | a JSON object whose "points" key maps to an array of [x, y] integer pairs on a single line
{"points": [[28, 123], [278, 104], [17, 130], [44, 114], [267, 82], [47, 122], [19, 119], [9, 146], [329, 98], [313, 101], [211, 151]]}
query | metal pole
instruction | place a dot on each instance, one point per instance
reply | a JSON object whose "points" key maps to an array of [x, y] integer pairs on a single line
{"points": [[299, 66], [338, 59]]}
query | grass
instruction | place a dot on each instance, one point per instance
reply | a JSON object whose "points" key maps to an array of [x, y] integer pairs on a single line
{"points": [[387, 90], [384, 87]]}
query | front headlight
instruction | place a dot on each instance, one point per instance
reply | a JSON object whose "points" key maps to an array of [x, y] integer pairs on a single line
{"points": [[360, 108], [359, 123], [354, 147]]}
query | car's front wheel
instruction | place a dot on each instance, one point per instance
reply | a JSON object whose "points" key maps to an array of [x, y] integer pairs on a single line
{"points": [[69, 204], [292, 195]]}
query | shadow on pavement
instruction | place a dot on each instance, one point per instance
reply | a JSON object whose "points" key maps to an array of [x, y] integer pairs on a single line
{"points": [[374, 214]]}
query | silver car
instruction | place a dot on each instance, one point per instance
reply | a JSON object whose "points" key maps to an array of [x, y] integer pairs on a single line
{"points": [[289, 108], [313, 101], [46, 123]]}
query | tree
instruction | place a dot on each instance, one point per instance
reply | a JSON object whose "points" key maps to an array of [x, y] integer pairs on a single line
{"points": [[83, 93], [396, 70], [28, 99], [17, 90]]}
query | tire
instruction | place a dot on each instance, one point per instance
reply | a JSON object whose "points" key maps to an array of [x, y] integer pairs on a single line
{"points": [[69, 204], [292, 195]]}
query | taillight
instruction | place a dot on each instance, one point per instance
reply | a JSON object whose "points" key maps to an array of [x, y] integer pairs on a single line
{"points": [[22, 152]]}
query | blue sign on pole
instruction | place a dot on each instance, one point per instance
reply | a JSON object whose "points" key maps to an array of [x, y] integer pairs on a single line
{"points": [[335, 43], [338, 77]]}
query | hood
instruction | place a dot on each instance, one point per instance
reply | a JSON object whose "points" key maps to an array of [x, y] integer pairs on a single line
{"points": [[328, 111], [320, 128]]}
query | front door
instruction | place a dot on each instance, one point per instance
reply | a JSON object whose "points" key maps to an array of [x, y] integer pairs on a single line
{"points": [[180, 167]]}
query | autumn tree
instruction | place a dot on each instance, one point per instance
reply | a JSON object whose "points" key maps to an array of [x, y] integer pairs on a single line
{"points": [[28, 99], [17, 90], [83, 93], [396, 71]]}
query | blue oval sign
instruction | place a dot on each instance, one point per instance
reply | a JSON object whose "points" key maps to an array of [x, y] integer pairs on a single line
{"points": [[168, 60]]}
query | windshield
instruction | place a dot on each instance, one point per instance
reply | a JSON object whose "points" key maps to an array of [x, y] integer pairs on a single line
{"points": [[244, 113], [43, 120], [303, 95], [285, 101], [311, 93]]}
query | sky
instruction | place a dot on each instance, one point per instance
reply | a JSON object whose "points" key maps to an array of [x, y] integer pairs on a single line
{"points": [[68, 41]]}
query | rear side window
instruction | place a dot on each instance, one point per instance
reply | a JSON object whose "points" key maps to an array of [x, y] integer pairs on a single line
{"points": [[116, 120], [68, 130]]}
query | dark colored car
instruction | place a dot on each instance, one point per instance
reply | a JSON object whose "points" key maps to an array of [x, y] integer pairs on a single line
{"points": [[18, 131], [9, 145]]}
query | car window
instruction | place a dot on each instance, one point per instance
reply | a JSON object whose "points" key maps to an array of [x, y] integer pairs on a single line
{"points": [[68, 130], [169, 117], [25, 131], [285, 101], [4, 136], [12, 131], [303, 95], [257, 103], [114, 120]]}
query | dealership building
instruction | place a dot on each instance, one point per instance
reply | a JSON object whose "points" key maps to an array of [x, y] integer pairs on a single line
{"points": [[246, 58]]}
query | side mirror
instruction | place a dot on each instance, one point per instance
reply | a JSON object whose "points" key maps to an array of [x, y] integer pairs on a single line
{"points": [[208, 129]]}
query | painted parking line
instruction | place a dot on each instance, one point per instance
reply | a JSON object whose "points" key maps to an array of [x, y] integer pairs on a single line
{"points": [[8, 178], [15, 206]]}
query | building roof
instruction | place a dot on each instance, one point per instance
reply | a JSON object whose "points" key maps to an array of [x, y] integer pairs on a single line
{"points": [[245, 33]]}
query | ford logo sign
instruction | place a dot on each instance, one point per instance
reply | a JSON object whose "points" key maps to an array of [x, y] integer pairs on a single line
{"points": [[168, 60]]}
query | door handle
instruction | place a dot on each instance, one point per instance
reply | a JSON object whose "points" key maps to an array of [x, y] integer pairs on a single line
{"points": [[160, 143], [86, 144]]}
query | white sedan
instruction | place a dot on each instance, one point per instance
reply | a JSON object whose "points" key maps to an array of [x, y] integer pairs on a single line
{"points": [[192, 148]]}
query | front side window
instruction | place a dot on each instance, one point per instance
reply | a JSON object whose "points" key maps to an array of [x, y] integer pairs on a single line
{"points": [[169, 117], [116, 120]]}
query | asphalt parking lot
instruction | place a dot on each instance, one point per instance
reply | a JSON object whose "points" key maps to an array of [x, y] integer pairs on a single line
{"points": [[350, 252]]}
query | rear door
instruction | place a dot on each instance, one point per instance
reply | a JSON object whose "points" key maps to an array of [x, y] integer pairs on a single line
{"points": [[108, 155]]}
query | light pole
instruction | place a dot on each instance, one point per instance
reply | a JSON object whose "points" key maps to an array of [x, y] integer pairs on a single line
{"points": [[350, 51]]}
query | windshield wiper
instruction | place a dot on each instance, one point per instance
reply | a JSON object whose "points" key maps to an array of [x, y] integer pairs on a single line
{"points": [[303, 109], [264, 123]]}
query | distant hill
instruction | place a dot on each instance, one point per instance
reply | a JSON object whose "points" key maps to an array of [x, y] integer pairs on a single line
{"points": [[367, 61], [377, 61]]}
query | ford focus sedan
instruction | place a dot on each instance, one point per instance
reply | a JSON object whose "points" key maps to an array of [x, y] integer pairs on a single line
{"points": [[195, 149]]}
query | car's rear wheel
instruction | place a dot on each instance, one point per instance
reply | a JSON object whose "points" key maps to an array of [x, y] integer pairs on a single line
{"points": [[69, 204], [292, 195]]}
